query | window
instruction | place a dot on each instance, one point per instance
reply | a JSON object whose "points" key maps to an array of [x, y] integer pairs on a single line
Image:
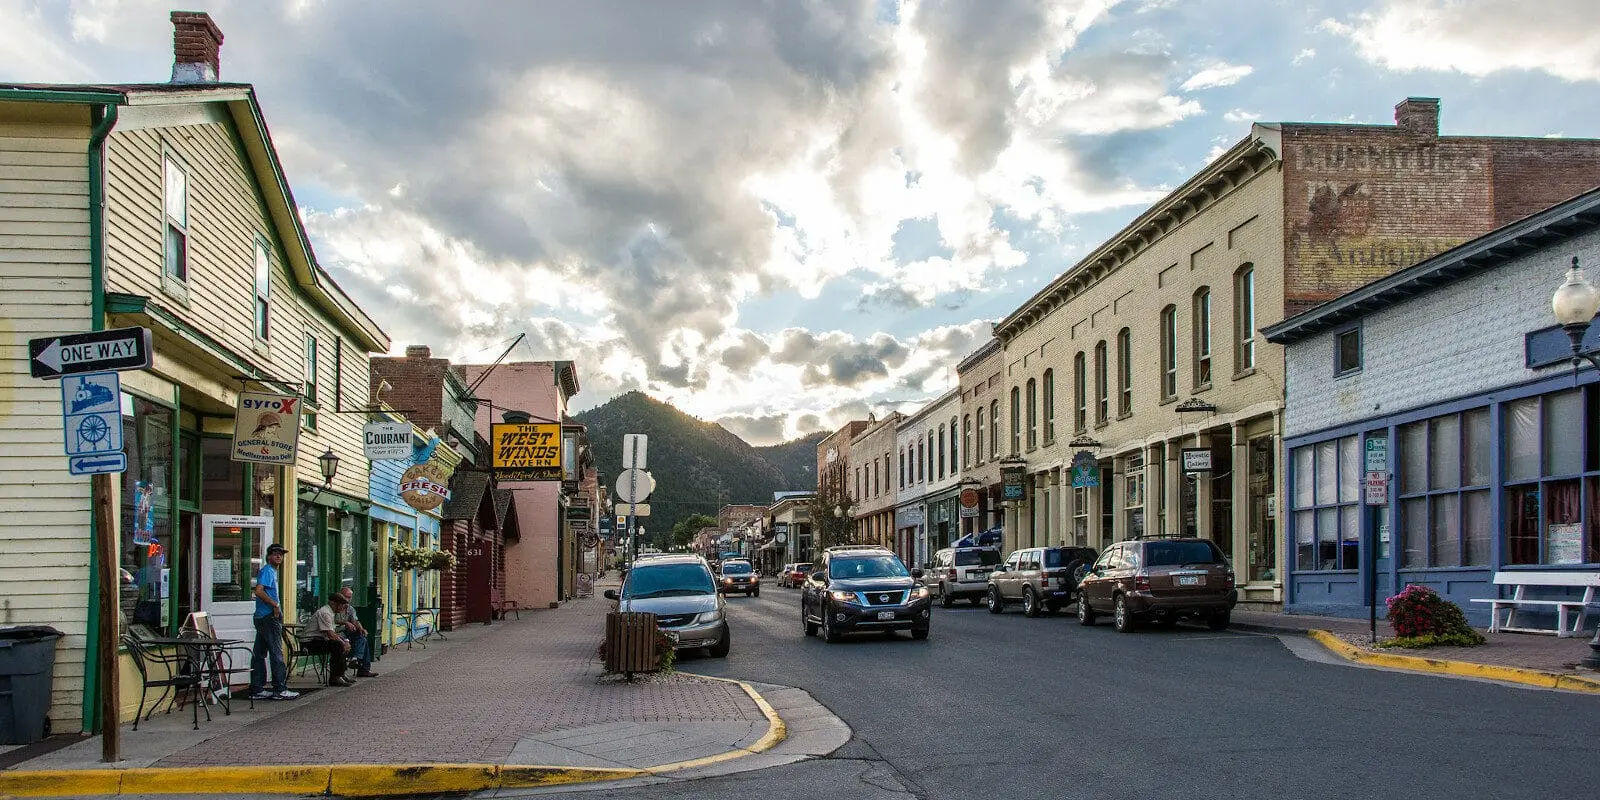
{"points": [[994, 429], [307, 416], [1202, 338], [1444, 491], [930, 456], [859, 482], [1552, 476], [1124, 372], [1080, 516], [1347, 351], [1016, 420], [902, 455], [1169, 352], [921, 474], [1102, 386], [263, 291], [1033, 414], [1133, 494], [941, 452], [953, 448], [1244, 319], [1049, 406], [966, 438], [148, 493], [979, 453], [1327, 504], [177, 221], [1080, 394]]}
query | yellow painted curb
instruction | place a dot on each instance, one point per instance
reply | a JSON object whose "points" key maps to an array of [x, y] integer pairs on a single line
{"points": [[350, 780], [1466, 669], [777, 731], [59, 782]]}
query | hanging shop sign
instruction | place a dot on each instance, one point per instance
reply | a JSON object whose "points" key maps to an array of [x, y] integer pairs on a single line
{"points": [[424, 487], [386, 441], [969, 503], [266, 428], [1196, 459], [1013, 483], [1085, 470], [525, 451]]}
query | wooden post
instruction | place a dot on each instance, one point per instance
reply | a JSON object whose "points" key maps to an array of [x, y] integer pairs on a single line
{"points": [[110, 588]]}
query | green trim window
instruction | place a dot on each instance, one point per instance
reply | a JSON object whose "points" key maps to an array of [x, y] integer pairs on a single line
{"points": [[1169, 352], [1202, 338], [1124, 373], [263, 291], [1049, 406], [175, 212], [148, 491], [309, 390], [1102, 387], [1033, 414], [1244, 319]]}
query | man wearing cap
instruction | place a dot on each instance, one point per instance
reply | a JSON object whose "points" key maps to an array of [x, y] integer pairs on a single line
{"points": [[356, 634], [268, 647], [322, 636]]}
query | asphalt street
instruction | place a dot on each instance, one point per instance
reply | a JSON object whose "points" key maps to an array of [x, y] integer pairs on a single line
{"points": [[1008, 707]]}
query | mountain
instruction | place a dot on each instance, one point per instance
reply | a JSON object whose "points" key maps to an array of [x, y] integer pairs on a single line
{"points": [[699, 466]]}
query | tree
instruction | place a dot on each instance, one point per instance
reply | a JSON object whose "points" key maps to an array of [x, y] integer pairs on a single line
{"points": [[831, 530], [683, 532]]}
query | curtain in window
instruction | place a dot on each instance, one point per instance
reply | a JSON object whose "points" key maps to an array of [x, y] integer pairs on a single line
{"points": [[1591, 523], [1522, 525], [1522, 440], [1563, 523], [1304, 533]]}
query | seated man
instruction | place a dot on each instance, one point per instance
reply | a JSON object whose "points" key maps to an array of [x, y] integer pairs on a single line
{"points": [[356, 633], [322, 636]]}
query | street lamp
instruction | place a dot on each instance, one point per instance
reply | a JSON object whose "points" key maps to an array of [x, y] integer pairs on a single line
{"points": [[838, 512], [329, 462], [1575, 302]]}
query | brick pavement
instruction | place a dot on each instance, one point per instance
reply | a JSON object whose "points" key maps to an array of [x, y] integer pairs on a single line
{"points": [[474, 700]]}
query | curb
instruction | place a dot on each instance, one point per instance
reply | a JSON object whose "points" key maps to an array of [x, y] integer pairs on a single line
{"points": [[357, 780], [1464, 669]]}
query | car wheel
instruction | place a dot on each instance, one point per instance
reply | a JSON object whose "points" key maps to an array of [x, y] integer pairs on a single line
{"points": [[1085, 613], [756, 593], [996, 605], [805, 622], [1219, 621], [1030, 603], [1121, 617], [720, 649], [919, 633], [829, 635], [945, 600]]}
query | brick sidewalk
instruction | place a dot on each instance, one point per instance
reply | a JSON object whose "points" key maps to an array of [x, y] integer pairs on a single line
{"points": [[474, 701], [1525, 650]]}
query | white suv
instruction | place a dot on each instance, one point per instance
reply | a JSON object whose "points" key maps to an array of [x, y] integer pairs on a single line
{"points": [[961, 572]]}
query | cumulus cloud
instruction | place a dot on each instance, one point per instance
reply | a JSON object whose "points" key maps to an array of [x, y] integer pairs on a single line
{"points": [[1239, 115], [1558, 37], [1217, 75]]}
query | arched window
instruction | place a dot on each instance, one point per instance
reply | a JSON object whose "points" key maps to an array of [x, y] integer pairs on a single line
{"points": [[966, 439], [994, 429], [1016, 420], [930, 455], [921, 475], [941, 452], [1124, 372], [953, 448], [979, 453], [1080, 394], [1049, 406], [1102, 387], [1244, 318], [902, 455], [1202, 338], [1169, 352], [1033, 413]]}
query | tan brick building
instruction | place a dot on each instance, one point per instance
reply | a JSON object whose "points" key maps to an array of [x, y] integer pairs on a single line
{"points": [[981, 387], [1151, 340], [872, 476], [834, 476]]}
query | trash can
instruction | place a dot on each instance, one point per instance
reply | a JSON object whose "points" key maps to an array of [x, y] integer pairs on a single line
{"points": [[27, 661]]}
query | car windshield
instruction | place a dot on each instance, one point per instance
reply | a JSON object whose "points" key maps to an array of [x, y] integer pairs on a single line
{"points": [[668, 580], [885, 566], [1170, 554], [973, 558], [735, 568]]}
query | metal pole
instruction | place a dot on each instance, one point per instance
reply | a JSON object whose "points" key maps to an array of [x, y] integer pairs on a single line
{"points": [[1372, 573], [110, 623]]}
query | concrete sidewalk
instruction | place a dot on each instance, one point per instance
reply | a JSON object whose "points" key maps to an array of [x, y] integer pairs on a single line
{"points": [[493, 701]]}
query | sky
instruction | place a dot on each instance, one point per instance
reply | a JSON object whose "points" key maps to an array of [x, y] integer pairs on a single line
{"points": [[782, 215]]}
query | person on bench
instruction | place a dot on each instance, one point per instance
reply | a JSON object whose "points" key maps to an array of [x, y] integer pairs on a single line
{"points": [[322, 637], [355, 633]]}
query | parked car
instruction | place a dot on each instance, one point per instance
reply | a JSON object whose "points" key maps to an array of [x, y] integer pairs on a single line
{"points": [[738, 576], [794, 574], [961, 572], [859, 589], [681, 591], [1159, 580], [1040, 578]]}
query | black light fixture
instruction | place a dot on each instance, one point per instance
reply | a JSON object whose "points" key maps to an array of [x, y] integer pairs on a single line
{"points": [[329, 462], [1084, 442], [1574, 304], [1195, 404]]}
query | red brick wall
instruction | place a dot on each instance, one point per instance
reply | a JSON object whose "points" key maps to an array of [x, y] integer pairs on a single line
{"points": [[416, 387], [1531, 175]]}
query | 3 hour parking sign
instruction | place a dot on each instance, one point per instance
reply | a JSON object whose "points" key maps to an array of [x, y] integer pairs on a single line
{"points": [[91, 421]]}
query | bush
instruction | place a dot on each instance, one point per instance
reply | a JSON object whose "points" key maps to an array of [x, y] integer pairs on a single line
{"points": [[1421, 618]]}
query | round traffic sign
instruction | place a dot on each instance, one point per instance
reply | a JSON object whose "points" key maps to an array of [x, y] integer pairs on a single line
{"points": [[634, 485]]}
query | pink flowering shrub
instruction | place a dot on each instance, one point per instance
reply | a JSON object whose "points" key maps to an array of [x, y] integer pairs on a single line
{"points": [[1421, 618]]}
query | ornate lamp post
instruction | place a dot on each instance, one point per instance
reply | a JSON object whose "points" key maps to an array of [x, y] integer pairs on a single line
{"points": [[1575, 302]]}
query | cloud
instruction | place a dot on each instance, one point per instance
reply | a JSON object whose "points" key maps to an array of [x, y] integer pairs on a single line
{"points": [[1306, 54], [1239, 115], [1217, 75], [1558, 37]]}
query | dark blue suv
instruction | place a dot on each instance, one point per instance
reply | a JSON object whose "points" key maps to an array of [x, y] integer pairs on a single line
{"points": [[860, 589]]}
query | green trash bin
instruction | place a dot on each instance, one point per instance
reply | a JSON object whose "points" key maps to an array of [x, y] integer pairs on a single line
{"points": [[27, 661]]}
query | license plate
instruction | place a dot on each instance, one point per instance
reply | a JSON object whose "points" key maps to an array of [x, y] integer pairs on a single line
{"points": [[885, 615], [1191, 580]]}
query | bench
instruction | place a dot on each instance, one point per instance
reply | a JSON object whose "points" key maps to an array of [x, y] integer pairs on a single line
{"points": [[1588, 581], [498, 605]]}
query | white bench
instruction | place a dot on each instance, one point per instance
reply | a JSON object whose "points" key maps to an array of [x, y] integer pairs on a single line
{"points": [[1588, 581]]}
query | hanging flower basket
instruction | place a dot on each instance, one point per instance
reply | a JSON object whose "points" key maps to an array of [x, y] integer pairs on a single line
{"points": [[405, 557], [441, 560]]}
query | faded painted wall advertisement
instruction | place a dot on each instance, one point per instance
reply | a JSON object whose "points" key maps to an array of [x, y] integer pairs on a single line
{"points": [[266, 428]]}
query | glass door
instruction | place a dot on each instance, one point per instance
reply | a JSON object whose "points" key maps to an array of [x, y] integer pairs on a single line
{"points": [[231, 551]]}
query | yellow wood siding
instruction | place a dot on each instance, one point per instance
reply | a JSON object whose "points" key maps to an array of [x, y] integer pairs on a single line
{"points": [[44, 289]]}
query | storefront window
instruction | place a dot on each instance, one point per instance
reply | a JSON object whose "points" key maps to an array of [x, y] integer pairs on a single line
{"points": [[1263, 553], [1550, 518], [1080, 516], [1327, 518], [1444, 491], [146, 512], [309, 555], [1133, 494]]}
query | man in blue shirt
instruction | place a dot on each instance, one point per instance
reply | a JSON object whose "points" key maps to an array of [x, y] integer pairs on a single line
{"points": [[269, 633]]}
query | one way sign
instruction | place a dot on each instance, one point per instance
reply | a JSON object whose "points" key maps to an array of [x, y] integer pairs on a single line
{"points": [[79, 353]]}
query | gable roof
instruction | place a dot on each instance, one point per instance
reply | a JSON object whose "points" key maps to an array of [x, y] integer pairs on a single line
{"points": [[467, 487], [262, 156], [1551, 226]]}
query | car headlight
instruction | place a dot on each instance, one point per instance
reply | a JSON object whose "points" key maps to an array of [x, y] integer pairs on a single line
{"points": [[707, 617], [843, 597], [918, 593], [727, 580]]}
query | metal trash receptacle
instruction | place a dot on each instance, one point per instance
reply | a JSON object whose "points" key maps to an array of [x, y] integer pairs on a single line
{"points": [[27, 663]]}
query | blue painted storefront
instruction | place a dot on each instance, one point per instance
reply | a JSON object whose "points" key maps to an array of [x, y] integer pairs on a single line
{"points": [[408, 591]]}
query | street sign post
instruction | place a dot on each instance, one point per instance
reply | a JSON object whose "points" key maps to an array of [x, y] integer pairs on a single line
{"points": [[91, 423], [634, 485], [98, 351]]}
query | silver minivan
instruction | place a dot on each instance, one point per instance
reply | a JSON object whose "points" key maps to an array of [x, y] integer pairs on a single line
{"points": [[958, 572], [681, 591]]}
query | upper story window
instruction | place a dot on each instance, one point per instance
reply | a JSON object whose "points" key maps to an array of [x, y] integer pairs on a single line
{"points": [[1244, 319], [1049, 406], [1080, 394], [1169, 352], [263, 291], [308, 416], [966, 438], [922, 475], [1033, 414], [1016, 420], [1347, 351], [1202, 338], [930, 456], [176, 203], [859, 481], [1102, 386], [953, 449], [941, 452], [902, 460], [994, 429], [1124, 372]]}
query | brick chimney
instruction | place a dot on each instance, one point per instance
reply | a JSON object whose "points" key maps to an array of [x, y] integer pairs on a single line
{"points": [[196, 48], [1418, 116], [418, 351]]}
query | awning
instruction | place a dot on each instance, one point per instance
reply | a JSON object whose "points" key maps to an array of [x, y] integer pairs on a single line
{"points": [[988, 538], [772, 545]]}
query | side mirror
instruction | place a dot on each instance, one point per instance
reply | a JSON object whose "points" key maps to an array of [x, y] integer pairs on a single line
{"points": [[611, 594], [916, 574], [999, 568]]}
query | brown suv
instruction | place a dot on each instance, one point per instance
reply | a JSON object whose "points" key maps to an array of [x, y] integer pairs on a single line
{"points": [[1160, 580], [1039, 578]]}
